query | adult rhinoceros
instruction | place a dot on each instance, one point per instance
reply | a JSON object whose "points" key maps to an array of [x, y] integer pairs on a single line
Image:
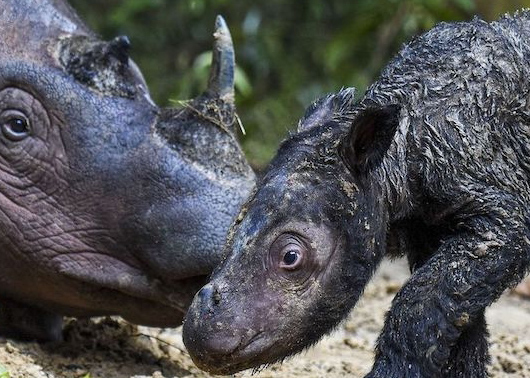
{"points": [[108, 203]]}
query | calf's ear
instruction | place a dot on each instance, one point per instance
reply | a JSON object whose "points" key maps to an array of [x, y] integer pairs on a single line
{"points": [[369, 137]]}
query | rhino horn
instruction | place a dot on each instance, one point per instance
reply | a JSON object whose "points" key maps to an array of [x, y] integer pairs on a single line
{"points": [[221, 81], [216, 105], [103, 66], [119, 48]]}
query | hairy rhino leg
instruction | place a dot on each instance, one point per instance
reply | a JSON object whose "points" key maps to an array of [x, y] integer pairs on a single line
{"points": [[471, 350], [24, 322], [448, 294], [470, 354]]}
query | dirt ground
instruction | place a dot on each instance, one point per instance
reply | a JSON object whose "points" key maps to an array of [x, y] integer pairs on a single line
{"points": [[109, 348]]}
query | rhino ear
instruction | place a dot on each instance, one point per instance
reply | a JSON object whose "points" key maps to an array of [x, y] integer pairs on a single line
{"points": [[369, 137], [326, 108]]}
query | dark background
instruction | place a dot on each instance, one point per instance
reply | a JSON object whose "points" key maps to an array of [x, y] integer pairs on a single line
{"points": [[288, 52]]}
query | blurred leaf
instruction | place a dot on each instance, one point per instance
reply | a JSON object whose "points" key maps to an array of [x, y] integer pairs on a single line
{"points": [[128, 9], [242, 83], [202, 63], [3, 372], [467, 5]]}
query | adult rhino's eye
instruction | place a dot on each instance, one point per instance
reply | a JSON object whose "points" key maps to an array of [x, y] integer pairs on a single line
{"points": [[15, 126], [290, 258]]}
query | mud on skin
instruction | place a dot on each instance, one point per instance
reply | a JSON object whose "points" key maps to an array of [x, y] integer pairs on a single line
{"points": [[109, 204], [432, 163]]}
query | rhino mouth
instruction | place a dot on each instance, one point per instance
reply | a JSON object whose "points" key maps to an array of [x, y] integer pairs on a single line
{"points": [[254, 352], [216, 356], [102, 271]]}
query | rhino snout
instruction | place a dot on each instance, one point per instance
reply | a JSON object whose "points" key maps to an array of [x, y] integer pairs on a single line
{"points": [[212, 344]]}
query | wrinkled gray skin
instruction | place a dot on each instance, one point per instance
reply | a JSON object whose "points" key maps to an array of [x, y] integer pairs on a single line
{"points": [[433, 163], [108, 203]]}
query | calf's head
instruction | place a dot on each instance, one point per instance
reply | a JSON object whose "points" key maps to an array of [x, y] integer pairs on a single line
{"points": [[108, 203], [304, 245]]}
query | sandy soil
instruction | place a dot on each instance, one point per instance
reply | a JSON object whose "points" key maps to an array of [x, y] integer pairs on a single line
{"points": [[110, 348]]}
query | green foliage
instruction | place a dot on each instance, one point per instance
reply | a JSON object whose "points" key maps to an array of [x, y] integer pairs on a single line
{"points": [[3, 372], [288, 52]]}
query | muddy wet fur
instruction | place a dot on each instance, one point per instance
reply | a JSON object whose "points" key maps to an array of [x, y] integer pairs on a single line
{"points": [[432, 163]]}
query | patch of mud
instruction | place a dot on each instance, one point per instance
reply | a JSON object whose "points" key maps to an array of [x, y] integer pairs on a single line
{"points": [[110, 348]]}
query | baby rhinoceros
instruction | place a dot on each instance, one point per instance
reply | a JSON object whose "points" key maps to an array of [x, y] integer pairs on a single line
{"points": [[108, 203], [432, 163]]}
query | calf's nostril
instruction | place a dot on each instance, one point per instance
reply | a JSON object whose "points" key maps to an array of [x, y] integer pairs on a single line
{"points": [[216, 296]]}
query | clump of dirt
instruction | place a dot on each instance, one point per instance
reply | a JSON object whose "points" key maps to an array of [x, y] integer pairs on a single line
{"points": [[112, 348], [104, 347]]}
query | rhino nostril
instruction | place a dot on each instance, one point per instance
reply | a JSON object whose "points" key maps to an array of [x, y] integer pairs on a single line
{"points": [[216, 296], [210, 294], [205, 292]]}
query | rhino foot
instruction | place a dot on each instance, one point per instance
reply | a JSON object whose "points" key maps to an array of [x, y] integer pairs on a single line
{"points": [[28, 323]]}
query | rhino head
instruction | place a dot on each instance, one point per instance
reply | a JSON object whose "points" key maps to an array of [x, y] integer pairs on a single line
{"points": [[109, 204]]}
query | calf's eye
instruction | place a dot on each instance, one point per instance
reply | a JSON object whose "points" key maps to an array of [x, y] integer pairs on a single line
{"points": [[292, 255], [289, 252]]}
